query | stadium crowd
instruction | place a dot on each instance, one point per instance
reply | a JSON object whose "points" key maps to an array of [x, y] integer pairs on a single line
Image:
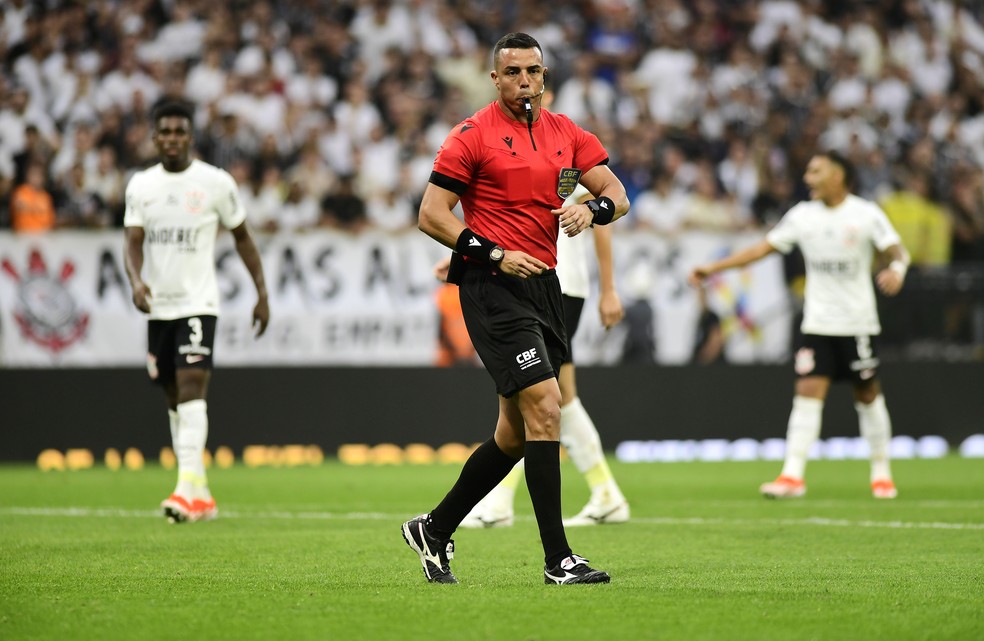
{"points": [[329, 112]]}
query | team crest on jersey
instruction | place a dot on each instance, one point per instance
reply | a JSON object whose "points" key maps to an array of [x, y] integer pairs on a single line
{"points": [[851, 236], [567, 181], [194, 201], [46, 310], [805, 361]]}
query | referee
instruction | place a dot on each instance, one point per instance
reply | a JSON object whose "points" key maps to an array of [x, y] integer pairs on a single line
{"points": [[511, 165]]}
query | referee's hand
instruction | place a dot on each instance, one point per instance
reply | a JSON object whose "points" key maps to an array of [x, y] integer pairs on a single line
{"points": [[521, 264], [573, 218]]}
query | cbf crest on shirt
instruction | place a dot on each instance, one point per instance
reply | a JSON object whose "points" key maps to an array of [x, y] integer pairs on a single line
{"points": [[180, 213], [567, 181]]}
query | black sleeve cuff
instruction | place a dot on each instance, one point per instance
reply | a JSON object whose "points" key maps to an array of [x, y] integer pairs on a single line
{"points": [[447, 182]]}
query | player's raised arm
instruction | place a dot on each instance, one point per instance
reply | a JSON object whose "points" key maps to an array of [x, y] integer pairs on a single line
{"points": [[740, 258]]}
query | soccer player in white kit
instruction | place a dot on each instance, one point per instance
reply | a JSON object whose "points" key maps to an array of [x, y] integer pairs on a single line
{"points": [[838, 233], [578, 434], [173, 212]]}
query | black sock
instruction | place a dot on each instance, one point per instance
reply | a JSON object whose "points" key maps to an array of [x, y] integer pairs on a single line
{"points": [[543, 480], [483, 470]]}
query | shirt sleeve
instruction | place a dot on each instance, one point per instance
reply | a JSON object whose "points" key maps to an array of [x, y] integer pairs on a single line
{"points": [[133, 214], [588, 150], [232, 213], [456, 160], [883, 234], [785, 234]]}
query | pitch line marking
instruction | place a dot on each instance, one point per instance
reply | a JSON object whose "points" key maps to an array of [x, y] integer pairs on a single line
{"points": [[86, 512]]}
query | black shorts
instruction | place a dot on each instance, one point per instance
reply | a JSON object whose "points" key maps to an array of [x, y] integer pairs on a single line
{"points": [[851, 358], [572, 318], [516, 325], [177, 344]]}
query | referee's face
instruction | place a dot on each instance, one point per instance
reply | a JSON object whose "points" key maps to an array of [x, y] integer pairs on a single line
{"points": [[518, 74]]}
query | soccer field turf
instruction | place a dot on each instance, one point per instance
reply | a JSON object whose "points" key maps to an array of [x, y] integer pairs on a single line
{"points": [[316, 553]]}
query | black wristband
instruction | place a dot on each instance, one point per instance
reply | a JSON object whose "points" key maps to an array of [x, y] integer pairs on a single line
{"points": [[474, 246], [603, 209]]}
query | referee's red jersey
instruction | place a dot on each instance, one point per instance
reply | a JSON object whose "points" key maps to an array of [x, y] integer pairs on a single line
{"points": [[506, 188]]}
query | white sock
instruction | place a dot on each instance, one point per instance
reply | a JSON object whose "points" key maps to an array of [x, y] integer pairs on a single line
{"points": [[802, 431], [580, 438], [173, 422], [876, 428], [192, 434]]}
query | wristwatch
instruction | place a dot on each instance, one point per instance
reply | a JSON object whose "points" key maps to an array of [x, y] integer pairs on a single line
{"points": [[496, 254]]}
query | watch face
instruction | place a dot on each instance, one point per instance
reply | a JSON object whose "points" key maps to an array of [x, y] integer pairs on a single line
{"points": [[496, 254]]}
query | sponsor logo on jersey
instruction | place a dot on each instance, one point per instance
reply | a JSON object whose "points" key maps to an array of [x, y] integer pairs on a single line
{"points": [[46, 311], [835, 267], [184, 238]]}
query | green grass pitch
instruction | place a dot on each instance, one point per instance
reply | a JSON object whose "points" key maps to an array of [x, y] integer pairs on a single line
{"points": [[316, 553]]}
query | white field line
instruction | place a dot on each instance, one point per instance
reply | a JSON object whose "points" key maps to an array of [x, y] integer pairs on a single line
{"points": [[377, 516]]}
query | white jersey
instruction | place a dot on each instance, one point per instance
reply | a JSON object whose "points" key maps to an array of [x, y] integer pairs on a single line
{"points": [[572, 257], [180, 213], [838, 246]]}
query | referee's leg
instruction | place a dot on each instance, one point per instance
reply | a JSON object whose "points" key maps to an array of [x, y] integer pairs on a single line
{"points": [[540, 406]]}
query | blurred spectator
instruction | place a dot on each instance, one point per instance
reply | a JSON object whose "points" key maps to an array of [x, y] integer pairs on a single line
{"points": [[311, 87], [32, 209], [922, 225], [299, 211], [391, 210], [119, 87], [709, 341], [226, 140], [967, 217], [343, 208], [78, 205], [708, 208], [661, 207], [79, 148], [773, 201], [206, 79], [739, 173], [313, 172], [20, 111], [639, 346], [454, 346], [584, 96], [106, 181], [379, 165], [380, 25], [36, 150], [262, 198]]}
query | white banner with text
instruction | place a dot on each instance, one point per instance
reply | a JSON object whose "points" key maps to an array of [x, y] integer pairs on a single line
{"points": [[340, 299]]}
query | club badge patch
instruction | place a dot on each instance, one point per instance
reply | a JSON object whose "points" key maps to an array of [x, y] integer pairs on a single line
{"points": [[567, 181]]}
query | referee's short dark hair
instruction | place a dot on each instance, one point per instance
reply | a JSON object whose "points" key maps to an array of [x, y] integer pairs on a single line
{"points": [[515, 40], [846, 166], [172, 108]]}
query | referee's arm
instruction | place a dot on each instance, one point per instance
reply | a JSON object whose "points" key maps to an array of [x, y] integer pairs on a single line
{"points": [[601, 181], [436, 218]]}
